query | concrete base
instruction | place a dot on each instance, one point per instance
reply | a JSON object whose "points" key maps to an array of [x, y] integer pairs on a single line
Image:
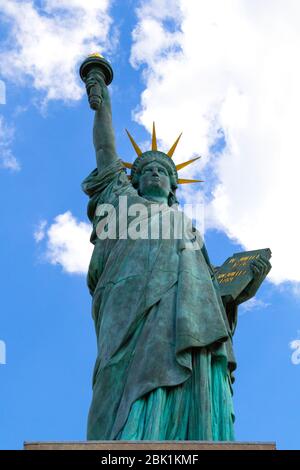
{"points": [[149, 445]]}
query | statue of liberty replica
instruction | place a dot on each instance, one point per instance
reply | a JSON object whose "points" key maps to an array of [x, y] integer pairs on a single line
{"points": [[165, 363]]}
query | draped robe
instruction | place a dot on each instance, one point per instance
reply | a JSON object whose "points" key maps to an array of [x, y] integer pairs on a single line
{"points": [[164, 337]]}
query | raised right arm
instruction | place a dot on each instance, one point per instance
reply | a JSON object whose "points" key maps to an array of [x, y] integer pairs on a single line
{"points": [[103, 133]]}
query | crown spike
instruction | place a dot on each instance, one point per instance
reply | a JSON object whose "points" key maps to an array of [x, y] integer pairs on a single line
{"points": [[186, 181], [154, 141], [134, 144], [172, 149], [182, 165], [128, 165]]}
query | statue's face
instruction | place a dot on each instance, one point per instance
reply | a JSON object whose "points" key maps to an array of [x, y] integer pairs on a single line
{"points": [[154, 181]]}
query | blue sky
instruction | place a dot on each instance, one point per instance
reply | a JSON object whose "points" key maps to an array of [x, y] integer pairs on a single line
{"points": [[161, 74]]}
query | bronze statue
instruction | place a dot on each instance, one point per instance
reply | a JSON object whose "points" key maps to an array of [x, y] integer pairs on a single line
{"points": [[164, 332]]}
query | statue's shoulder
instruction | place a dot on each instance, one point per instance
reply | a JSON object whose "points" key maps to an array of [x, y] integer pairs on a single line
{"points": [[113, 176], [106, 186]]}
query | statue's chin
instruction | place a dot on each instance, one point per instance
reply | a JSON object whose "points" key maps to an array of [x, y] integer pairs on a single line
{"points": [[155, 190], [159, 198]]}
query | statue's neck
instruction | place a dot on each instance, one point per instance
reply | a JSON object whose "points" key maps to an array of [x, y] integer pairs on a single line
{"points": [[158, 199]]}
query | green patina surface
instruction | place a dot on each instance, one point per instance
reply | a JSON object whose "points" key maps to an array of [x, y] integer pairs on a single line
{"points": [[164, 333]]}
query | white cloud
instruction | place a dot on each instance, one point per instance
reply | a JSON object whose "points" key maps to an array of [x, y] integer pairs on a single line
{"points": [[232, 66], [67, 243], [7, 159], [45, 43], [295, 344], [252, 304], [294, 287], [40, 232]]}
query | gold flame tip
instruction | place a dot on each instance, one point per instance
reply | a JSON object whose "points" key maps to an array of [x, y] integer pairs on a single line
{"points": [[96, 54]]}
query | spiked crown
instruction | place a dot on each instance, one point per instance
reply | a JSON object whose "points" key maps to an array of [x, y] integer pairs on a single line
{"points": [[154, 154]]}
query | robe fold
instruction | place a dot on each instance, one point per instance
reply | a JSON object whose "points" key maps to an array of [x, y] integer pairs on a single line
{"points": [[165, 357]]}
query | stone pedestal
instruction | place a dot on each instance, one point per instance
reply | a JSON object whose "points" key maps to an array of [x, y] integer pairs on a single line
{"points": [[149, 445]]}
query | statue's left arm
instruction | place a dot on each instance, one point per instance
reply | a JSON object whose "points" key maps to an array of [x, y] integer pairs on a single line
{"points": [[260, 268]]}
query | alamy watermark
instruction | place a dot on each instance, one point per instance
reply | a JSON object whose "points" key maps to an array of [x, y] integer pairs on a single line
{"points": [[2, 92], [2, 343], [295, 358], [151, 221], [2, 352]]}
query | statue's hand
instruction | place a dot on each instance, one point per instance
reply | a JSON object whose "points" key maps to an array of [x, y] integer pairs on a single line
{"points": [[260, 268], [96, 89]]}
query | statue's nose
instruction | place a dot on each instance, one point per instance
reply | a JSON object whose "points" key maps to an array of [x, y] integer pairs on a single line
{"points": [[155, 172]]}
